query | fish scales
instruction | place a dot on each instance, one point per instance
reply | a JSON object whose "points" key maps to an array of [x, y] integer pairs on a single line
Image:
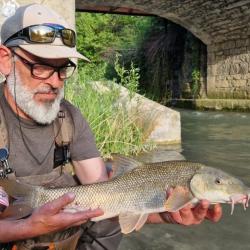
{"points": [[138, 192], [142, 188]]}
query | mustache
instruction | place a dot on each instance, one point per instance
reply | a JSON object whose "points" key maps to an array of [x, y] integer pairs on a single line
{"points": [[46, 90]]}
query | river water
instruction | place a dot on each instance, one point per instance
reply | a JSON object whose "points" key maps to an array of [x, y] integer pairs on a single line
{"points": [[221, 140]]}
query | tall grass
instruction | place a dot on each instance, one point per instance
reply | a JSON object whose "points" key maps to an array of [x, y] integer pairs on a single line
{"points": [[114, 130]]}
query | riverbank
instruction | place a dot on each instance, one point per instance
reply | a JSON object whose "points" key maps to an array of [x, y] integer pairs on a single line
{"points": [[221, 140], [212, 104]]}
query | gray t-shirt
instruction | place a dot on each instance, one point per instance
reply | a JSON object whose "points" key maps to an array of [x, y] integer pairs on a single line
{"points": [[32, 145]]}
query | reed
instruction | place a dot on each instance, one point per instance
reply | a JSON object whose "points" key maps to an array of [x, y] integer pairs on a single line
{"points": [[114, 130]]}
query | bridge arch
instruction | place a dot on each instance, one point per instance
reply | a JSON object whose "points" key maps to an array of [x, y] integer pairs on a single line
{"points": [[222, 25]]}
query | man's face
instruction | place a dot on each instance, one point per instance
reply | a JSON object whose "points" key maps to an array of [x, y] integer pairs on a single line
{"points": [[49, 87], [38, 99]]}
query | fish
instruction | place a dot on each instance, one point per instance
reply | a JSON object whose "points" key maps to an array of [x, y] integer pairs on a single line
{"points": [[139, 189]]}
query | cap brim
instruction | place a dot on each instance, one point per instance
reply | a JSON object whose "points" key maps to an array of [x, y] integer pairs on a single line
{"points": [[52, 51]]}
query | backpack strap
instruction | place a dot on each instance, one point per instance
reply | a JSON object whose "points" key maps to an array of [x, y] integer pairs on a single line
{"points": [[4, 142], [63, 127], [63, 130], [5, 170]]}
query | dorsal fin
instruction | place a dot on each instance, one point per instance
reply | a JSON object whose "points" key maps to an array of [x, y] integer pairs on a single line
{"points": [[122, 164]]}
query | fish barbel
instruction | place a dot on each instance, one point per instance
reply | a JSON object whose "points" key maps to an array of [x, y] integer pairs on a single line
{"points": [[142, 190]]}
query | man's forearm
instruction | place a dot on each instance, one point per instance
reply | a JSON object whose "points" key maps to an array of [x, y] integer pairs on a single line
{"points": [[12, 230], [90, 170]]}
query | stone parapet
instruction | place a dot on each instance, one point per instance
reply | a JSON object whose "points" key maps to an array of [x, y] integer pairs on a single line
{"points": [[159, 123]]}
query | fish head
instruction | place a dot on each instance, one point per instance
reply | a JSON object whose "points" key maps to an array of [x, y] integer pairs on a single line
{"points": [[216, 186]]}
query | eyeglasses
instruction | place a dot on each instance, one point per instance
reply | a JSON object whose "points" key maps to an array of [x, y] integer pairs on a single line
{"points": [[44, 71], [45, 33]]}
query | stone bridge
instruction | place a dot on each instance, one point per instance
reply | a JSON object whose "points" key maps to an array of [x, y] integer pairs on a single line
{"points": [[223, 25]]}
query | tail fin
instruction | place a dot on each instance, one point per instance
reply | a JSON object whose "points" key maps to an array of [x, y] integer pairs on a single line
{"points": [[20, 205], [15, 189]]}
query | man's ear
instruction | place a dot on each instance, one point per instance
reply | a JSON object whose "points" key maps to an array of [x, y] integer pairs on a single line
{"points": [[5, 60]]}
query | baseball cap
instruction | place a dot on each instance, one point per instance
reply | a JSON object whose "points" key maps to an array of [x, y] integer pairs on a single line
{"points": [[36, 14]]}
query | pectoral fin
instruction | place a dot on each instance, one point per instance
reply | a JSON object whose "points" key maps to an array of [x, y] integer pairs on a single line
{"points": [[130, 222], [179, 198]]}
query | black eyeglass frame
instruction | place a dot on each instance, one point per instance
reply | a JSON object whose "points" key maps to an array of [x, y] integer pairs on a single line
{"points": [[24, 34], [55, 69]]}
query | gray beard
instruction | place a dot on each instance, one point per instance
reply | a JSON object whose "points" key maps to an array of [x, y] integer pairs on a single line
{"points": [[43, 113]]}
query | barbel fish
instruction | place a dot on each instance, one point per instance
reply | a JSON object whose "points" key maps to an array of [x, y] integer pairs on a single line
{"points": [[141, 190]]}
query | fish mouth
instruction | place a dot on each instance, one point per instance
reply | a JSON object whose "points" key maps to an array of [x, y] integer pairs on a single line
{"points": [[239, 198]]}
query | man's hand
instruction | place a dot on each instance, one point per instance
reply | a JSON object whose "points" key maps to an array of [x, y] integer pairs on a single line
{"points": [[190, 215], [45, 219], [50, 217]]}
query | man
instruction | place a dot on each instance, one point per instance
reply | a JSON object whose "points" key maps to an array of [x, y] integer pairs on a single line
{"points": [[35, 57]]}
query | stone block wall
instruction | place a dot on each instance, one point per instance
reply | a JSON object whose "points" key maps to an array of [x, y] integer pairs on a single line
{"points": [[229, 69]]}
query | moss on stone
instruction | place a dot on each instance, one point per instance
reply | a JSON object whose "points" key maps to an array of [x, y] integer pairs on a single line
{"points": [[212, 104]]}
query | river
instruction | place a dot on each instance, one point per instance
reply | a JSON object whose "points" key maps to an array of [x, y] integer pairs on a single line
{"points": [[221, 140]]}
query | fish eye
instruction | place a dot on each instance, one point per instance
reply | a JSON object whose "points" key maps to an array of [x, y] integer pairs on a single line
{"points": [[218, 181]]}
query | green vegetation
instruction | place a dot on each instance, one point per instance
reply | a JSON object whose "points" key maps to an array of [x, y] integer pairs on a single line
{"points": [[128, 78], [196, 83], [114, 130], [101, 36]]}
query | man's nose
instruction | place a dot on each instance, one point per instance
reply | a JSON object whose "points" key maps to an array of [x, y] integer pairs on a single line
{"points": [[55, 80]]}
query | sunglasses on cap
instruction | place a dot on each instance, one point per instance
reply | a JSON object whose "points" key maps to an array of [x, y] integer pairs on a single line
{"points": [[45, 33]]}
